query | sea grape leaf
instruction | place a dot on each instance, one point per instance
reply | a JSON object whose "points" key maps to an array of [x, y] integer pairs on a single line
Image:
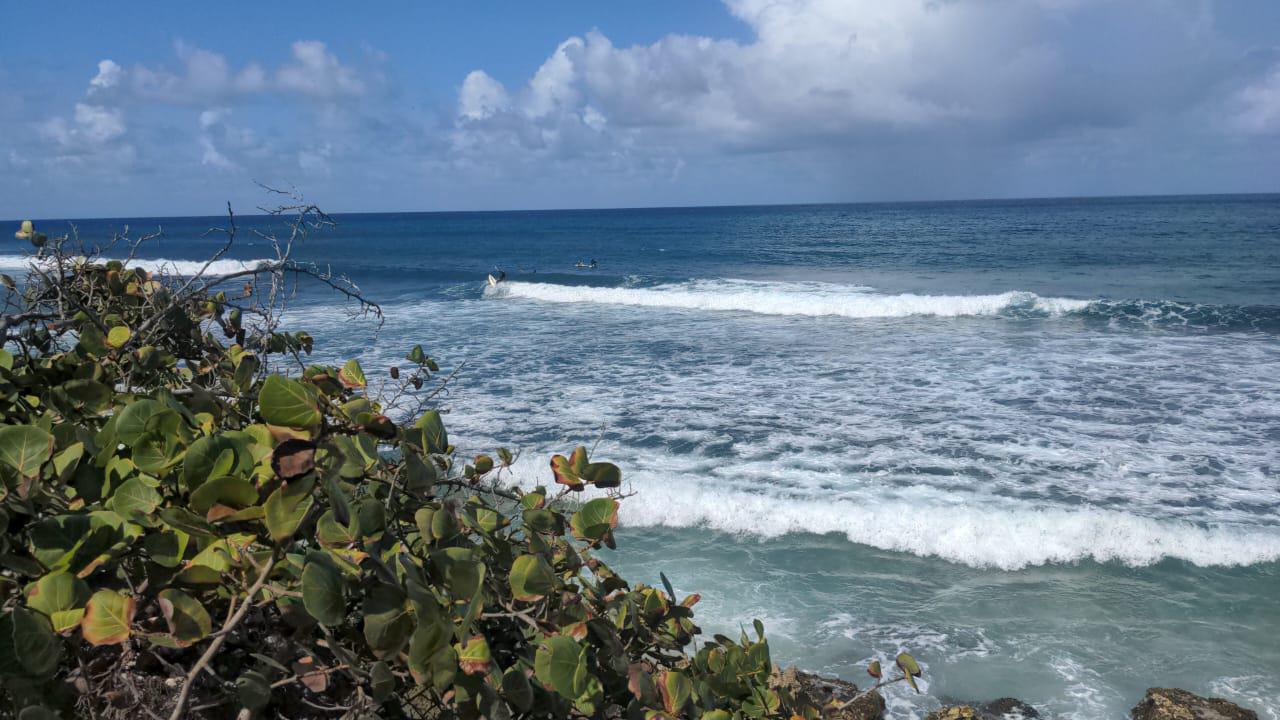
{"points": [[382, 682], [107, 618], [435, 439], [25, 448], [287, 507], [322, 591], [556, 664], [531, 578], [387, 623], [352, 375], [474, 658], [289, 403], [61, 596], [118, 336], [231, 491], [293, 458], [34, 643], [135, 496], [595, 519], [188, 621], [568, 470]]}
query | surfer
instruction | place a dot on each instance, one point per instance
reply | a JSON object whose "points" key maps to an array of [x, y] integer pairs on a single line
{"points": [[497, 276]]}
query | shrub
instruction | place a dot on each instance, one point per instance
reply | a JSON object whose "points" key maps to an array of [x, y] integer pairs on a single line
{"points": [[190, 530]]}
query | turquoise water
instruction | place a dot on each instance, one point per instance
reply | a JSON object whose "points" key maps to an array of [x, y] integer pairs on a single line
{"points": [[1037, 443]]}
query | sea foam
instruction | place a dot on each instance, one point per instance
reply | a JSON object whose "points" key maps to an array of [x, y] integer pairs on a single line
{"points": [[184, 268], [973, 532], [789, 298]]}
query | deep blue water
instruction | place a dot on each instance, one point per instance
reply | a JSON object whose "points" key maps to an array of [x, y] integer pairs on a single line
{"points": [[1037, 442]]}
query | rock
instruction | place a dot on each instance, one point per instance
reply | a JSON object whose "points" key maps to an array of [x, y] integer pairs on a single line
{"points": [[1002, 709], [820, 691], [954, 712], [1009, 709], [1175, 704]]}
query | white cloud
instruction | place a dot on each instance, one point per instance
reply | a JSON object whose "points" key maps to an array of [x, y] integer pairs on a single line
{"points": [[317, 72], [1258, 105], [481, 96], [108, 76], [315, 160], [208, 77], [92, 126], [840, 74]]}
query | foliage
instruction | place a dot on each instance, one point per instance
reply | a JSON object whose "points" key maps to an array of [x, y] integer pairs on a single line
{"points": [[189, 529]]}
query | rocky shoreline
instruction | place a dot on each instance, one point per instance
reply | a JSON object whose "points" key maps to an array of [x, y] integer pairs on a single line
{"points": [[1157, 704]]}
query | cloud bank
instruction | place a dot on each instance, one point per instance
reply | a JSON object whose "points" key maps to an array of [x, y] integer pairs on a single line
{"points": [[826, 100]]}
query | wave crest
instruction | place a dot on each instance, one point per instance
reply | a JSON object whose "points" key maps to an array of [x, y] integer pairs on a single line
{"points": [[804, 299], [184, 268], [970, 534]]}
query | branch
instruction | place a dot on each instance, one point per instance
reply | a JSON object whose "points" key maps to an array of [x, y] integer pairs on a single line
{"points": [[231, 622]]}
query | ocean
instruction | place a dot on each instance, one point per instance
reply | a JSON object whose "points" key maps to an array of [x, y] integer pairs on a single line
{"points": [[1036, 443]]}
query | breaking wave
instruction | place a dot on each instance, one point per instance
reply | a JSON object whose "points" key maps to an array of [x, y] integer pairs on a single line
{"points": [[813, 299], [185, 268]]}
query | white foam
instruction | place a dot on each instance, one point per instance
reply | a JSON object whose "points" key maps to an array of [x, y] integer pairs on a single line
{"points": [[981, 533], [789, 298], [184, 268]]}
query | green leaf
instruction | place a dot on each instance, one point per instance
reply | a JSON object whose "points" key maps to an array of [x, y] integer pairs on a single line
{"points": [[118, 336], [332, 533], [531, 578], [107, 618], [474, 658], [61, 596], [542, 520], [166, 547], [186, 521], [135, 496], [204, 459], [135, 420], [254, 690], [25, 448], [430, 637], [352, 375], [322, 591], [910, 669], [289, 403], [230, 491], [556, 665], [381, 682], [89, 394], [34, 644], [595, 520], [188, 621], [287, 507], [387, 623], [434, 437], [516, 688], [676, 688], [603, 475]]}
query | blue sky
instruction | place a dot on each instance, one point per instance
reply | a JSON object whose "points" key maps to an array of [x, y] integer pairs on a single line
{"points": [[153, 108]]}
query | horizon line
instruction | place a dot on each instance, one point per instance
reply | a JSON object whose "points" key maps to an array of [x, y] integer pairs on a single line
{"points": [[626, 208]]}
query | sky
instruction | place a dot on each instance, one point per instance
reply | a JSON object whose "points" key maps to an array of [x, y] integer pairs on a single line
{"points": [[164, 108]]}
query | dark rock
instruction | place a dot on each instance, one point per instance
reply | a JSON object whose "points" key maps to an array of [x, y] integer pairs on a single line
{"points": [[820, 692], [1009, 709], [1174, 704], [1002, 709]]}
